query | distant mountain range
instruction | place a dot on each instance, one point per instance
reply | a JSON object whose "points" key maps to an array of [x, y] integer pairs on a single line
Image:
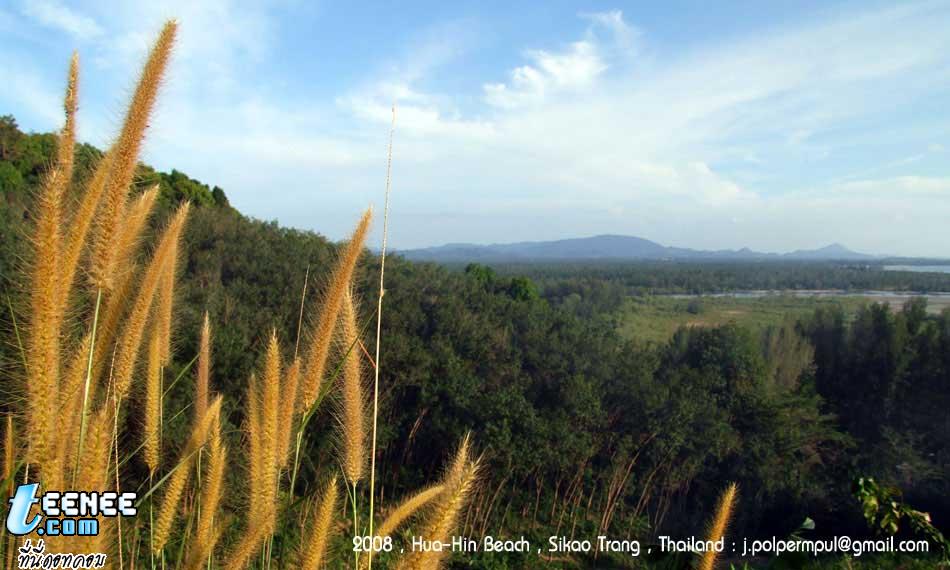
{"points": [[613, 248]]}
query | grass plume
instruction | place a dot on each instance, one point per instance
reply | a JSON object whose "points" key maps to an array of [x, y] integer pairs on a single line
{"points": [[354, 432], [135, 326], [43, 346], [270, 415], [125, 154], [9, 455], [287, 412], [458, 485], [81, 222], [166, 300], [315, 364], [252, 431], [719, 524], [203, 373], [314, 547], [207, 533], [408, 508], [153, 402], [179, 478]]}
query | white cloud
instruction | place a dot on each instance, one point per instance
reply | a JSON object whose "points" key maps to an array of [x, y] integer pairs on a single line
{"points": [[573, 69], [53, 14], [774, 139]]}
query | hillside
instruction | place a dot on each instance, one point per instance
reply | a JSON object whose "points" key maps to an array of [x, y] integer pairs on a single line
{"points": [[613, 247]]}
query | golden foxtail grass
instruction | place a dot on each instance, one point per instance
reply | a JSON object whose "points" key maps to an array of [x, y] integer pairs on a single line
{"points": [[353, 418], [131, 340], [82, 361], [203, 373], [719, 524], [270, 415], [316, 361], [313, 548], [208, 531], [179, 477], [153, 402], [407, 509], [458, 486], [287, 412], [125, 154], [80, 223], [47, 309], [166, 298], [252, 431], [9, 454]]}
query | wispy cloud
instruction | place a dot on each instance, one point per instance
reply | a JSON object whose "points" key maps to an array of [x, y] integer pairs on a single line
{"points": [[63, 18], [764, 138]]}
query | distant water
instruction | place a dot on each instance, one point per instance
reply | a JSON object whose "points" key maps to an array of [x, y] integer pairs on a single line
{"points": [[919, 268]]}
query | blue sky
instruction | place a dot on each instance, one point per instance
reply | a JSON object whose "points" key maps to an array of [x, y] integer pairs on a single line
{"points": [[775, 125]]}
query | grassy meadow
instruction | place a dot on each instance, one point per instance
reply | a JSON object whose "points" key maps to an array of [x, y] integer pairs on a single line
{"points": [[657, 318]]}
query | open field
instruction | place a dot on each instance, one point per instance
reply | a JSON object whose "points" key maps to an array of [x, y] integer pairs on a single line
{"points": [[656, 318]]}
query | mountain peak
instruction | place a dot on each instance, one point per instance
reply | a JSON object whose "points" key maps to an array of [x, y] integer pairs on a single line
{"points": [[610, 247]]}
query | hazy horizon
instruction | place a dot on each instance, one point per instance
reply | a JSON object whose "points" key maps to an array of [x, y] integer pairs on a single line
{"points": [[770, 127]]}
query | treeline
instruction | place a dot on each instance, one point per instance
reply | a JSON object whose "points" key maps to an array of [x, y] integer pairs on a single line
{"points": [[559, 280], [582, 431]]}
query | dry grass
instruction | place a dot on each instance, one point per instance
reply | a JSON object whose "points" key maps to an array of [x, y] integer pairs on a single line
{"points": [[124, 158], [315, 364], [458, 485], [207, 534], [153, 403], [719, 524], [407, 509], [203, 374], [354, 431], [314, 546], [83, 363]]}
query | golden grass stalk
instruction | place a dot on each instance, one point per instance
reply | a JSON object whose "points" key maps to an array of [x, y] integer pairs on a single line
{"points": [[252, 430], [203, 374], [179, 479], [9, 457], [166, 300], [43, 347], [153, 402], [125, 154], [80, 223], [287, 403], [46, 292], [94, 469], [206, 535], [379, 332], [246, 548], [270, 414], [67, 138], [719, 524], [313, 549], [408, 508], [70, 401], [315, 364], [134, 224], [458, 484], [354, 432], [135, 326], [127, 245]]}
